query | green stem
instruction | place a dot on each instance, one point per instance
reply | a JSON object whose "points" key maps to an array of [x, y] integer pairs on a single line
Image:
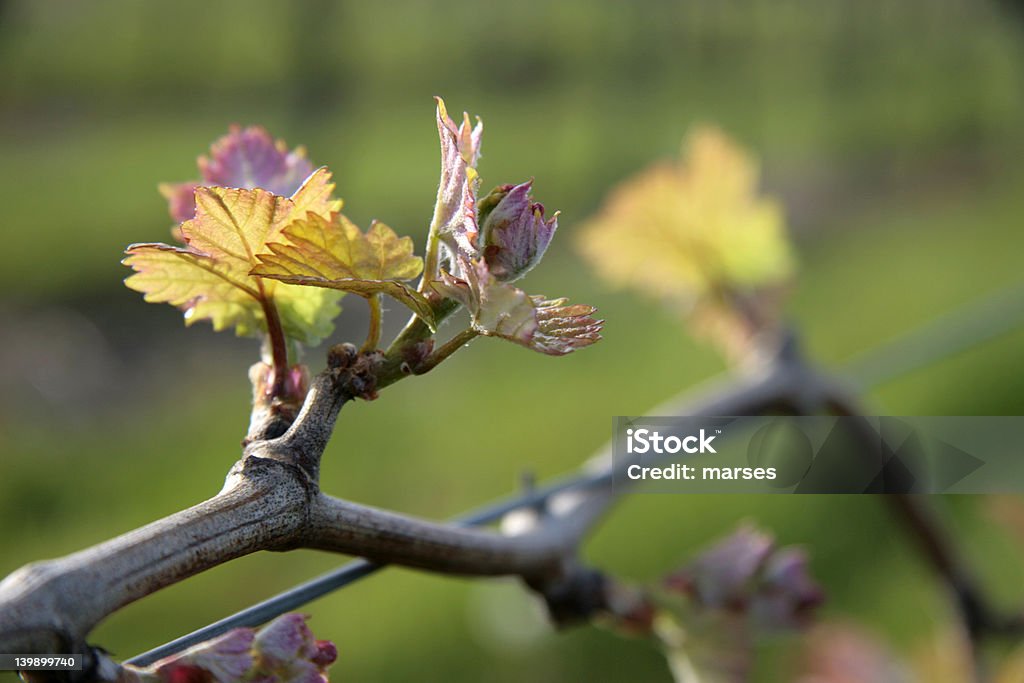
{"points": [[431, 266], [447, 349], [396, 358], [430, 260], [416, 330], [373, 334]]}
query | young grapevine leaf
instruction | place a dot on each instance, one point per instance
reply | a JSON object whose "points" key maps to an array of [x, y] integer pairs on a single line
{"points": [[515, 237], [709, 614], [286, 651], [246, 158], [205, 288], [333, 253], [454, 219], [690, 230], [498, 309], [316, 194], [209, 277], [562, 328], [283, 651], [748, 576]]}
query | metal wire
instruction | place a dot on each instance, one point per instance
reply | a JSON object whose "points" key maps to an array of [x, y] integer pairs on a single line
{"points": [[975, 323]]}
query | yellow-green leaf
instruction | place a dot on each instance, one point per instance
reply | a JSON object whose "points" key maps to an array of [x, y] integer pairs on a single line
{"points": [[335, 254], [316, 195], [231, 225], [205, 288], [210, 278], [307, 315], [690, 230]]}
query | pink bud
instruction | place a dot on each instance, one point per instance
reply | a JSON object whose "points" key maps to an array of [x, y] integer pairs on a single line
{"points": [[747, 575], [786, 595], [288, 652], [722, 576], [186, 673], [326, 653], [284, 639], [515, 234]]}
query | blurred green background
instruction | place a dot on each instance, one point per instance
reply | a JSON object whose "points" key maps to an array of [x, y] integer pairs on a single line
{"points": [[890, 130]]}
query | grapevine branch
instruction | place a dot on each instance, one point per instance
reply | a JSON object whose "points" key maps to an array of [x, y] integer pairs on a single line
{"points": [[271, 501]]}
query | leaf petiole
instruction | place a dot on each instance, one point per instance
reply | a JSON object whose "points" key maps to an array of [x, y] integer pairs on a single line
{"points": [[373, 334], [278, 346]]}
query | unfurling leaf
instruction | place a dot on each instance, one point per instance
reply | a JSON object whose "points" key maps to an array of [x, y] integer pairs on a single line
{"points": [[286, 650], [283, 651], [748, 576], [709, 614], [562, 329], [333, 253], [244, 158], [209, 277], [692, 230], [454, 221], [515, 234], [498, 309], [476, 268], [721, 576], [225, 659]]}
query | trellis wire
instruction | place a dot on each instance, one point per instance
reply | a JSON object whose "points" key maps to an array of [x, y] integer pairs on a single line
{"points": [[975, 323]]}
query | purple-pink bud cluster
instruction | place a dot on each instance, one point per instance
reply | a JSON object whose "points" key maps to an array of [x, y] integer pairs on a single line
{"points": [[515, 233]]}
